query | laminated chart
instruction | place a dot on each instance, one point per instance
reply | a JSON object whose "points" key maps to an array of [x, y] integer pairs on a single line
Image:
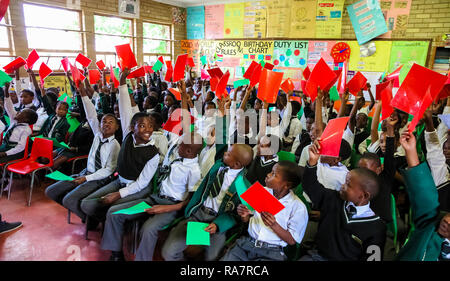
{"points": [[233, 20], [303, 19], [278, 18], [214, 18], [290, 53], [329, 18], [255, 16]]}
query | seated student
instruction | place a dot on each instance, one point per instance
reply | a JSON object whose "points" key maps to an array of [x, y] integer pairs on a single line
{"points": [[158, 138], [430, 240], [269, 234], [214, 202], [270, 121], [26, 96], [137, 161], [347, 226], [294, 127], [101, 163], [176, 184], [240, 129], [16, 137], [303, 139], [169, 100], [265, 158], [207, 155], [151, 104]]}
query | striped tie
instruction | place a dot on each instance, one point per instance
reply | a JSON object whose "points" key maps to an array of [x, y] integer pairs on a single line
{"points": [[49, 128], [217, 184], [98, 160], [164, 171]]}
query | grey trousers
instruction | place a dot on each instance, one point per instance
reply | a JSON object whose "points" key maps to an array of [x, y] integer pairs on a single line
{"points": [[114, 227], [69, 194], [245, 250], [313, 255], [94, 208], [176, 242]]}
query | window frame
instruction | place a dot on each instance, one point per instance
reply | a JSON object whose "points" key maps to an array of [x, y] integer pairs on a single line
{"points": [[170, 40]]}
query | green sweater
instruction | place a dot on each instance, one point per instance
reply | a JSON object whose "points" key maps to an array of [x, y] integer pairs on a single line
{"points": [[424, 243]]}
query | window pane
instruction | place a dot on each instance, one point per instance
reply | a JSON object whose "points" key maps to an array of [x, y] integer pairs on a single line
{"points": [[150, 60], [53, 39], [156, 46], [53, 60], [4, 35], [51, 17], [5, 58], [110, 25], [109, 60], [106, 43], [156, 31]]}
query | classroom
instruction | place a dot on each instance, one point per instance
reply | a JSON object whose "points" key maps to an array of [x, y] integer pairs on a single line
{"points": [[225, 131]]}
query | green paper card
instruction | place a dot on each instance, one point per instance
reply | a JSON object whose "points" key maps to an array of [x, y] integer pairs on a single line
{"points": [[196, 234], [73, 122], [284, 155], [241, 187], [203, 60], [4, 78], [382, 160], [58, 176], [262, 63], [157, 66], [136, 209], [7, 120], [242, 82], [334, 95], [65, 97]]}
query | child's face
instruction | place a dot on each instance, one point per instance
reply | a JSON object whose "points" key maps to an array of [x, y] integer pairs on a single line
{"points": [[61, 110], [143, 130], [313, 133], [332, 161], [361, 103], [257, 105], [444, 227], [146, 104], [351, 190], [361, 121], [264, 145], [446, 150], [21, 117], [108, 125], [168, 101], [14, 98], [26, 98], [309, 123], [275, 179], [210, 110], [272, 119], [211, 136], [370, 164]]}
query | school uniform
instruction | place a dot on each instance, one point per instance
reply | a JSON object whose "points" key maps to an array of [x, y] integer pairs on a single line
{"points": [[101, 164], [160, 142], [206, 161], [42, 117], [261, 243], [293, 129], [214, 201], [174, 188], [136, 166], [345, 231], [259, 168], [81, 139], [301, 140], [55, 127]]}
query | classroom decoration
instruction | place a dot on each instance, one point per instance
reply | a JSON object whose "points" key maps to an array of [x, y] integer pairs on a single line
{"points": [[214, 16], [397, 15], [407, 53], [329, 18], [367, 20], [340, 52], [261, 200], [195, 22], [330, 141], [290, 53], [303, 19], [255, 19]]}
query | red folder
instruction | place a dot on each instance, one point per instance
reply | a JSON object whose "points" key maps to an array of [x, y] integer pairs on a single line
{"points": [[330, 141], [148, 69], [190, 62], [126, 56], [287, 85], [83, 60], [169, 72], [114, 78], [204, 75], [100, 64], [303, 86], [140, 72], [269, 84], [221, 89], [268, 66], [357, 83], [250, 69], [173, 124], [419, 110], [321, 76], [331, 84], [342, 81], [66, 64], [14, 65], [380, 88], [213, 82], [44, 71], [386, 97], [256, 74], [94, 76], [306, 73], [180, 66], [32, 58], [262, 200], [215, 72], [77, 76], [395, 76]]}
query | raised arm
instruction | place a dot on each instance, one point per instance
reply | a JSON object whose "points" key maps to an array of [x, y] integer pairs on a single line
{"points": [[372, 100], [375, 122], [89, 109], [318, 111], [352, 122], [344, 100], [9, 107], [125, 107]]}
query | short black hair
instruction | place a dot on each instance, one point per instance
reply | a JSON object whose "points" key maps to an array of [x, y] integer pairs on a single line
{"points": [[112, 116], [28, 92], [295, 107], [157, 117], [137, 116], [291, 172], [63, 103], [275, 139], [152, 100], [372, 157], [345, 150], [369, 181], [31, 116]]}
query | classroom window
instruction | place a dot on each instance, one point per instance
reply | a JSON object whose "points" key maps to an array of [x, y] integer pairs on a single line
{"points": [[156, 41], [4, 42], [52, 29], [151, 59], [111, 31]]}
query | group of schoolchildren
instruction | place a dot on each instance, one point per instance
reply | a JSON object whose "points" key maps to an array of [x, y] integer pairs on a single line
{"points": [[335, 208]]}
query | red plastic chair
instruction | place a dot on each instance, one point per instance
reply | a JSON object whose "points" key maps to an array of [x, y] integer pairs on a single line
{"points": [[41, 148], [6, 164], [74, 160]]}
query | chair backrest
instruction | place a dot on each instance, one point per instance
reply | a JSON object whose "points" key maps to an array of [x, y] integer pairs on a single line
{"points": [[42, 148], [25, 151]]}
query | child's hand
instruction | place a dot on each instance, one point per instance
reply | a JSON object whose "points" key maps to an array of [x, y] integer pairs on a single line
{"points": [[79, 180], [314, 153], [211, 228], [408, 141], [268, 219], [158, 209], [319, 94], [243, 212], [182, 87], [123, 76], [2, 154], [110, 198]]}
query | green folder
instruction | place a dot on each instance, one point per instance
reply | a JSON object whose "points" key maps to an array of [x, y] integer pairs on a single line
{"points": [[334, 95], [4, 78], [136, 209], [56, 143], [284, 155], [196, 234], [7, 120], [203, 60], [382, 160], [157, 66], [241, 187], [73, 122], [262, 63], [242, 82], [57, 175], [65, 97]]}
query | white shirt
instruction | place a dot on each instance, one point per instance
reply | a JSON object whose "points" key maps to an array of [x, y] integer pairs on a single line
{"points": [[42, 116], [361, 211], [293, 218], [331, 177], [182, 178], [436, 158], [20, 134], [109, 152], [304, 157], [229, 177], [2, 127], [206, 161], [294, 130], [161, 143]]}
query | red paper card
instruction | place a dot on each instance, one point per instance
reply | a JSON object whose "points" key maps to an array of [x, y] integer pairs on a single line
{"points": [[94, 76], [269, 84], [303, 86], [66, 64], [3, 8], [268, 66], [256, 74], [204, 75], [100, 64], [215, 72], [321, 76], [176, 93], [140, 72], [76, 75], [221, 89], [250, 69], [213, 82], [180, 66], [262, 200], [415, 85], [306, 73], [287, 85], [44, 71], [190, 62], [386, 97], [14, 65], [338, 74], [114, 78], [342, 81], [420, 110], [395, 76], [148, 69], [126, 56], [83, 60], [380, 88], [161, 59], [174, 125], [32, 58], [169, 72], [357, 83], [297, 99], [330, 141]]}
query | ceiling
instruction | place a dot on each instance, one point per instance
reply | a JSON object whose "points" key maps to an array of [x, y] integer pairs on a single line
{"points": [[189, 3]]}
